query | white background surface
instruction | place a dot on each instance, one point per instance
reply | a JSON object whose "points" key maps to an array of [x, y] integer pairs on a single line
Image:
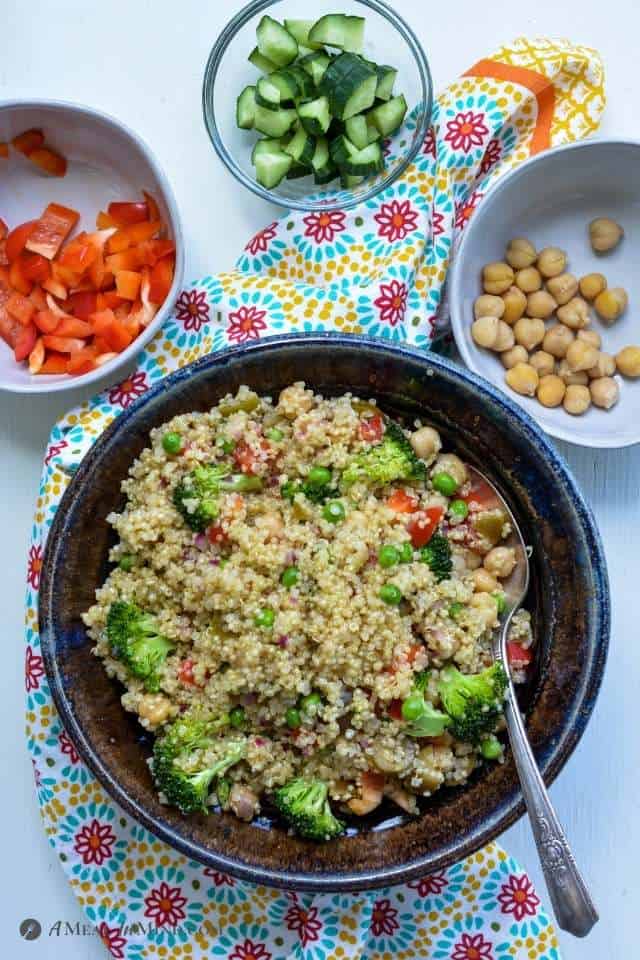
{"points": [[143, 62]]}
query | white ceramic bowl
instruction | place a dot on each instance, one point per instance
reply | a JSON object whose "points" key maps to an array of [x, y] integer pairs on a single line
{"points": [[551, 199], [107, 162]]}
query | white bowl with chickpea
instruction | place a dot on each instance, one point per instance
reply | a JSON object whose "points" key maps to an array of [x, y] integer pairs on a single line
{"points": [[545, 291]]}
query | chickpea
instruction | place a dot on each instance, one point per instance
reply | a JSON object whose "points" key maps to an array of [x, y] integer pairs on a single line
{"points": [[541, 305], [543, 362], [154, 709], [528, 280], [486, 608], [450, 463], [628, 362], [497, 277], [572, 376], [551, 390], [529, 332], [577, 399], [590, 336], [487, 305], [563, 287], [575, 314], [515, 303], [505, 339], [605, 366], [523, 379], [426, 442], [484, 582], [552, 261], [605, 234], [295, 400], [521, 253], [271, 524], [557, 340], [592, 284], [500, 561], [604, 392], [611, 304], [581, 355], [485, 331], [517, 354]]}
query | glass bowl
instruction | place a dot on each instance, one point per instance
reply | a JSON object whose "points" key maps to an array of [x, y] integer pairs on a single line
{"points": [[388, 39]]}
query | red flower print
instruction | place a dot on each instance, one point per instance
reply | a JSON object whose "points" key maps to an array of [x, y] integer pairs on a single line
{"points": [[192, 309], [465, 208], [128, 391], [219, 879], [33, 670], [94, 842], [324, 226], [34, 566], [260, 242], [383, 918], [428, 885], [392, 302], [429, 145], [466, 130], [518, 897], [304, 922], [396, 220], [249, 950], [472, 948], [436, 224], [113, 940], [164, 905], [246, 324], [67, 747], [491, 155], [54, 450]]}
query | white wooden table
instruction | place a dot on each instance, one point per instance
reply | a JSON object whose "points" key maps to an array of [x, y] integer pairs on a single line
{"points": [[143, 62]]}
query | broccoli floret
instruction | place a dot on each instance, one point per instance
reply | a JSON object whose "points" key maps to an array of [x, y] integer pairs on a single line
{"points": [[135, 641], [421, 680], [304, 804], [390, 460], [196, 495], [437, 554], [430, 723], [182, 739], [474, 702], [314, 493]]}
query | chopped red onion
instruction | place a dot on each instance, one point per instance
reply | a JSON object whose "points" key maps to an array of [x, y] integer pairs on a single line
{"points": [[200, 541], [283, 641]]}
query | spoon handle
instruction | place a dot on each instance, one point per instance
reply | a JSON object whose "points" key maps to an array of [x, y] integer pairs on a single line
{"points": [[572, 905]]}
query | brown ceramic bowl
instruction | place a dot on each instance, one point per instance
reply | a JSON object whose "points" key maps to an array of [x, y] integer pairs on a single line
{"points": [[569, 600]]}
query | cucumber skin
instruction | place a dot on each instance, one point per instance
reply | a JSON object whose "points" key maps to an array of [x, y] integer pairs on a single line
{"points": [[343, 77], [263, 64], [267, 48], [321, 32], [273, 130], [251, 110], [261, 177]]}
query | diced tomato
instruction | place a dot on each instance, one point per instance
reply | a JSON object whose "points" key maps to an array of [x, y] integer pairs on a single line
{"points": [[217, 534], [135, 233], [35, 267], [481, 493], [4, 149], [123, 214], [128, 284], [54, 363], [185, 673], [49, 161], [17, 239], [161, 279], [246, 458], [28, 141], [413, 652], [36, 357], [38, 298], [395, 709], [17, 278], [51, 230], [517, 655], [372, 428], [21, 308], [63, 344], [83, 303], [73, 327], [25, 342], [150, 251], [154, 212], [82, 361], [423, 525], [129, 259], [46, 321], [4, 229], [401, 502]]}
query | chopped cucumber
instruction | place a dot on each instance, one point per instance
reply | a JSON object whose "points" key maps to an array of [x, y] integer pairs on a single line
{"points": [[350, 85], [339, 30], [341, 149], [275, 43], [304, 81], [271, 168], [273, 123], [386, 79], [315, 117], [364, 162], [315, 65], [286, 82], [246, 108], [372, 131], [348, 181], [299, 29], [356, 130], [301, 147], [297, 170], [387, 117], [263, 64], [266, 145], [324, 170], [267, 94]]}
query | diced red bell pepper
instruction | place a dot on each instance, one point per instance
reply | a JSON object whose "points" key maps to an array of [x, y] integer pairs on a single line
{"points": [[73, 327], [517, 655], [150, 251], [63, 344], [135, 233], [4, 229], [38, 298], [69, 278], [217, 535], [49, 161], [481, 493], [4, 279], [28, 141], [423, 524], [185, 673], [51, 230], [35, 267], [104, 221], [129, 259], [131, 325], [395, 709], [56, 287], [9, 327], [46, 321], [25, 342], [18, 280], [54, 363], [21, 308], [36, 357], [401, 502], [17, 239], [128, 284], [78, 255], [161, 279], [109, 299], [4, 260], [125, 213], [4, 149], [154, 211], [372, 428], [83, 303], [82, 361], [246, 458], [110, 328]]}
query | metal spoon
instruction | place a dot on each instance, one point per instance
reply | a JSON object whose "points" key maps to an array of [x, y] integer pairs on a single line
{"points": [[573, 907]]}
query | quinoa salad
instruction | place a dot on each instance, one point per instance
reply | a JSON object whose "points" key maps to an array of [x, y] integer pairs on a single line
{"points": [[301, 607]]}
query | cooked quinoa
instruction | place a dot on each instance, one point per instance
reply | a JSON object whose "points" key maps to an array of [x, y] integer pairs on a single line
{"points": [[302, 610]]}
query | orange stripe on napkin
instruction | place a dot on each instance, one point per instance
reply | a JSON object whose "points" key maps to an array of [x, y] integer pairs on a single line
{"points": [[539, 85]]}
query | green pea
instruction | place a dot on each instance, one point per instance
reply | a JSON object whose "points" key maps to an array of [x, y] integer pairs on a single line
{"points": [[237, 717], [406, 552], [501, 602], [491, 748], [459, 509], [227, 446], [127, 562], [290, 577], [275, 434], [333, 511], [444, 484], [319, 476], [390, 594], [310, 704], [413, 707], [455, 609], [172, 442], [388, 556], [292, 718], [265, 618]]}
